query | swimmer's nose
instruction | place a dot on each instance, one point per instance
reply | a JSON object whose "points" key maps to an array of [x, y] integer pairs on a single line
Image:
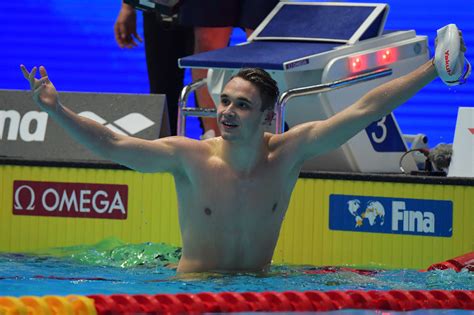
{"points": [[228, 112]]}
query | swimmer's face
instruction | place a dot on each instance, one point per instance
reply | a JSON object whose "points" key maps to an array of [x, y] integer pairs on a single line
{"points": [[239, 112]]}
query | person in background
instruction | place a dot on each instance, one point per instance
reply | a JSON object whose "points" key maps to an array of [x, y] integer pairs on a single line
{"points": [[213, 21], [165, 42]]}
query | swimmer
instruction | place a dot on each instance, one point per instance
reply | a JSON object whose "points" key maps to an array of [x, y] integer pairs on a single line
{"points": [[233, 190]]}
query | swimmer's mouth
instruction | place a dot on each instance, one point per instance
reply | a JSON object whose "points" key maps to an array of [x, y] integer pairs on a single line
{"points": [[229, 124]]}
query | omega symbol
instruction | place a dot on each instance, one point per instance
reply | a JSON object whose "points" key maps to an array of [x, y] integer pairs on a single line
{"points": [[18, 205]]}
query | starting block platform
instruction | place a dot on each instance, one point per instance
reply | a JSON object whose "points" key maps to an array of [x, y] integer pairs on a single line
{"points": [[307, 44]]}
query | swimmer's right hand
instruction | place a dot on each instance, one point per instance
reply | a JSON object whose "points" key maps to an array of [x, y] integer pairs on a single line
{"points": [[44, 92]]}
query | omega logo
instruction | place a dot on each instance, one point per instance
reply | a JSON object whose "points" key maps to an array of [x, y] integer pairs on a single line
{"points": [[70, 199], [18, 205]]}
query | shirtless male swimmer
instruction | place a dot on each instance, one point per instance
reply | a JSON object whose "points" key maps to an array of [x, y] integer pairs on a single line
{"points": [[233, 190]]}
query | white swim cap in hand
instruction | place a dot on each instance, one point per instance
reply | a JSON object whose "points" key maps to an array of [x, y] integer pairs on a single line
{"points": [[449, 58]]}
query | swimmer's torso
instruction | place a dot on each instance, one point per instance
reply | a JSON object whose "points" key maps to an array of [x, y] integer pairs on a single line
{"points": [[231, 221]]}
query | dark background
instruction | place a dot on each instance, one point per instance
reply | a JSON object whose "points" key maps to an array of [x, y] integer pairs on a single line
{"points": [[75, 41]]}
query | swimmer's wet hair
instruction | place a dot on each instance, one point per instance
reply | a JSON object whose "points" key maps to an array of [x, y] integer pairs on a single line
{"points": [[263, 81]]}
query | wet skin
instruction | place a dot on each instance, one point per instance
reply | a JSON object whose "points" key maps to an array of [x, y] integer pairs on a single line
{"points": [[234, 195]]}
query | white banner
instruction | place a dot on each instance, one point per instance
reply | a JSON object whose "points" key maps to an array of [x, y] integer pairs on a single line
{"points": [[462, 161]]}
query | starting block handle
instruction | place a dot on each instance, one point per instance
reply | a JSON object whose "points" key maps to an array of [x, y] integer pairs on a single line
{"points": [[322, 88], [184, 111]]}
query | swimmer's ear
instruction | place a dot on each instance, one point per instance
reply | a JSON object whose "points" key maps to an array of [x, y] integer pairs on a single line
{"points": [[269, 117]]}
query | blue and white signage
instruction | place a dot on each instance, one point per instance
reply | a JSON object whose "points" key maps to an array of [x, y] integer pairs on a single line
{"points": [[391, 215]]}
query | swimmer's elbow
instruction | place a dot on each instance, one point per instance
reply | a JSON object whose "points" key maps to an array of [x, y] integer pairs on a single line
{"points": [[109, 146]]}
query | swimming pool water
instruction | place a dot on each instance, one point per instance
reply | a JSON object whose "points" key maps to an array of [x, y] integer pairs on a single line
{"points": [[139, 269]]}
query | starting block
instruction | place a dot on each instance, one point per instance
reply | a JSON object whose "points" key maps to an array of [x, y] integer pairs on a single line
{"points": [[314, 47]]}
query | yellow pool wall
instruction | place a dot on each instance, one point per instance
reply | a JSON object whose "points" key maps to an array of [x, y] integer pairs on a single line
{"points": [[305, 237]]}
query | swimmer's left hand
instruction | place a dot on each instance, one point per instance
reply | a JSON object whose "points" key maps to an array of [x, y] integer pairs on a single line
{"points": [[451, 65]]}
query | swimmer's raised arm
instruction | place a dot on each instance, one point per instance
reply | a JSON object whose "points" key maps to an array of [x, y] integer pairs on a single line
{"points": [[161, 155], [322, 136], [314, 138]]}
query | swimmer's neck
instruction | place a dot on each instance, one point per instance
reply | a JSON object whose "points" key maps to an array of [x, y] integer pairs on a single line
{"points": [[244, 157]]}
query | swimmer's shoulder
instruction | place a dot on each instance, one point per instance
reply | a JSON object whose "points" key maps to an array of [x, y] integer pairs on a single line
{"points": [[190, 146], [211, 143]]}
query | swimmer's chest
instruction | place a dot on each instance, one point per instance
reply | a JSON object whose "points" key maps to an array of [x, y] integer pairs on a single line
{"points": [[261, 194]]}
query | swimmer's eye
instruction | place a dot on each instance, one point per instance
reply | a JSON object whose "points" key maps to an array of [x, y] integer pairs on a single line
{"points": [[239, 104], [243, 105], [225, 101]]}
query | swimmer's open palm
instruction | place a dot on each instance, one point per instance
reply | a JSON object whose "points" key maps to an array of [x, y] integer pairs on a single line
{"points": [[44, 92]]}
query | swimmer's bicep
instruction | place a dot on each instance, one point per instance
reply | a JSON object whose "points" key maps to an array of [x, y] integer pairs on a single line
{"points": [[341, 127], [294, 145], [319, 137], [148, 156]]}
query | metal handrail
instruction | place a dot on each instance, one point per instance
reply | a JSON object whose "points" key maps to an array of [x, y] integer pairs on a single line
{"points": [[184, 111], [322, 88]]}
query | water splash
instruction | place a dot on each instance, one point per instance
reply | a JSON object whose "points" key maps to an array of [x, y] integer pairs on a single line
{"points": [[113, 252]]}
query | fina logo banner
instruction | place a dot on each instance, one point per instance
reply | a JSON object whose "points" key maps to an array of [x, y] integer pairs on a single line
{"points": [[104, 201], [27, 133], [391, 215]]}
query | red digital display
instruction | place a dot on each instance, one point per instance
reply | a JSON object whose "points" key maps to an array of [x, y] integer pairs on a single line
{"points": [[358, 63], [386, 56]]}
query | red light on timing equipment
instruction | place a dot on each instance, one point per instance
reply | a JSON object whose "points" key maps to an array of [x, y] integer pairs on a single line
{"points": [[386, 56], [358, 63]]}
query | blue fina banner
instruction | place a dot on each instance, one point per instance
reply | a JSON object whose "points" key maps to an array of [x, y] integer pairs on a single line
{"points": [[374, 214]]}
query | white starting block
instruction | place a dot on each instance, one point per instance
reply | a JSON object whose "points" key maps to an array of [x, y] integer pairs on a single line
{"points": [[309, 43]]}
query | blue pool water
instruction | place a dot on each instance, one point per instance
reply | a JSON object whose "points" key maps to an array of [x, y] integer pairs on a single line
{"points": [[140, 269]]}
